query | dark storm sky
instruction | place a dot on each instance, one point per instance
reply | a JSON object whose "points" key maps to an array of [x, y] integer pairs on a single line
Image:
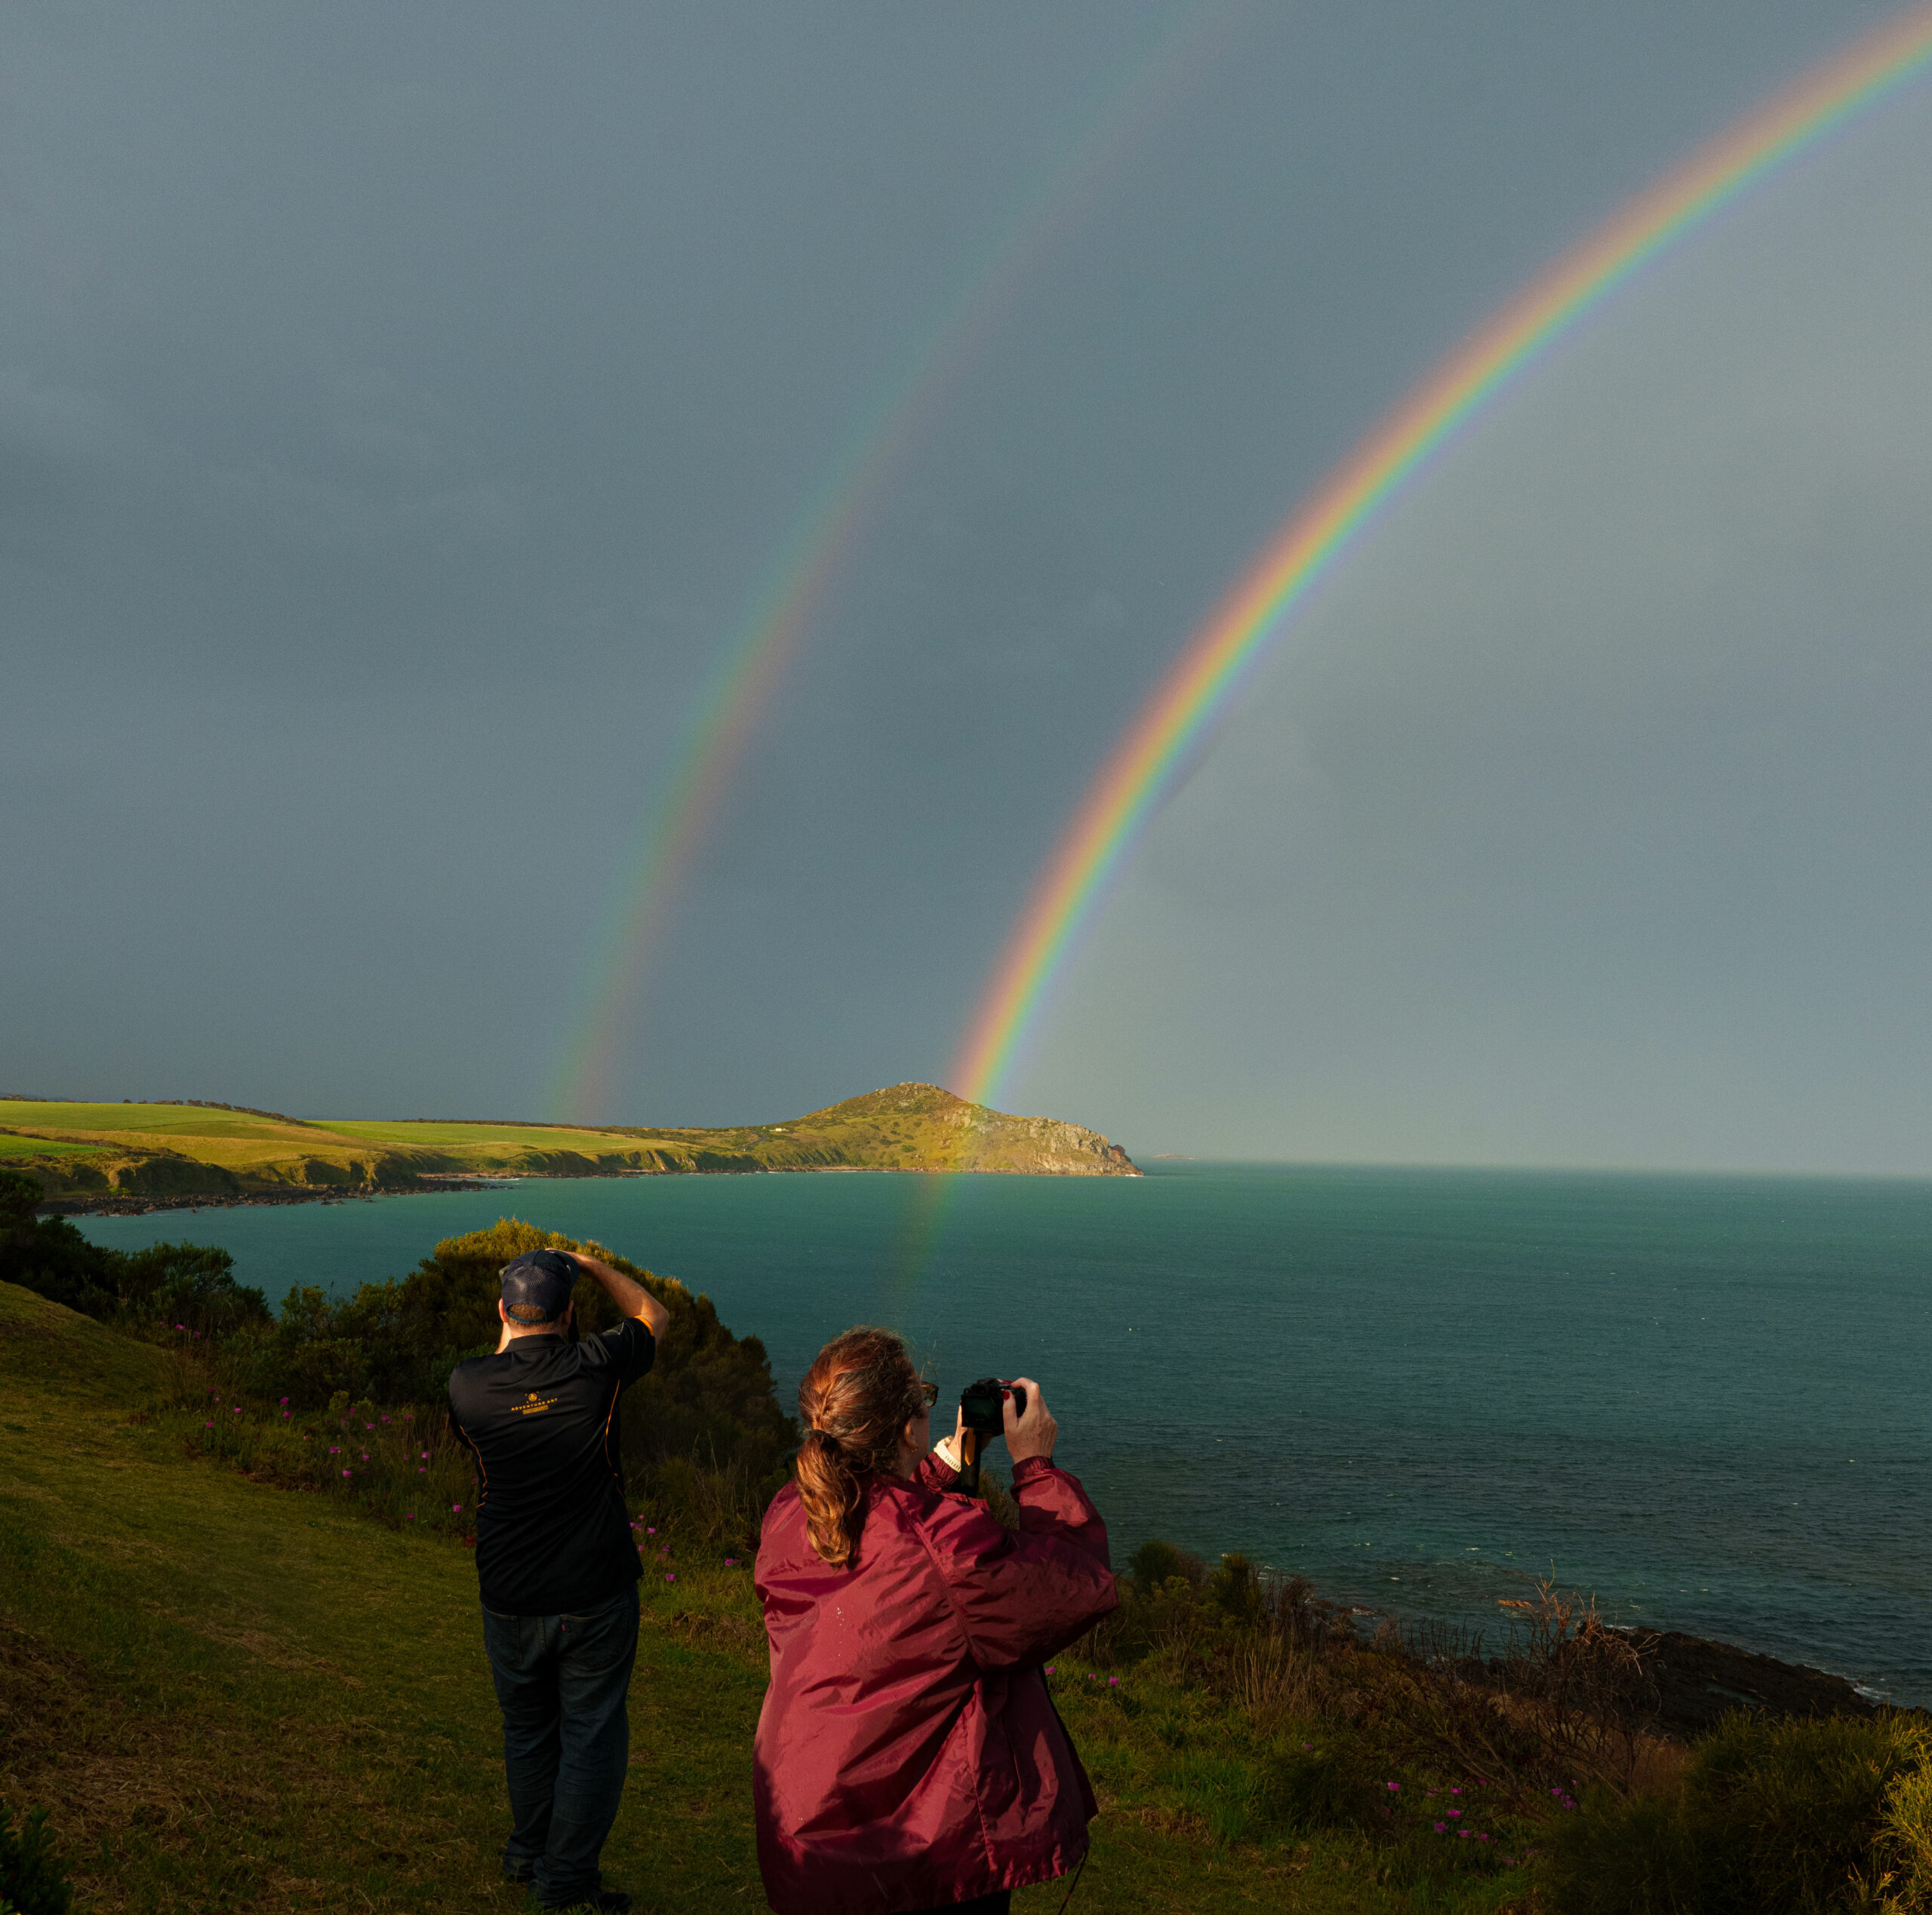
{"points": [[398, 407]]}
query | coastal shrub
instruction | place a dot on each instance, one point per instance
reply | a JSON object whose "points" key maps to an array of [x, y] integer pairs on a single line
{"points": [[48, 1255], [30, 1883], [52, 1259], [298, 1402], [1773, 1818], [18, 1196], [185, 1287], [1323, 1784], [1619, 1857], [1236, 1587], [708, 1397], [1156, 1563]]}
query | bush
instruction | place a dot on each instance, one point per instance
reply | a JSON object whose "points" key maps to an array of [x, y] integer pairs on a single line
{"points": [[177, 1286], [1236, 1587], [30, 1883], [184, 1286], [1613, 1856], [1156, 1563], [702, 1436], [708, 1396], [1324, 1786], [1774, 1817]]}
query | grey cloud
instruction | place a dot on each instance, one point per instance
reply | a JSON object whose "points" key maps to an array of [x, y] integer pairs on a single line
{"points": [[400, 409]]}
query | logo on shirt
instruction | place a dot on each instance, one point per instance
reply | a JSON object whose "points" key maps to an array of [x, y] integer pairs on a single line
{"points": [[535, 1406]]}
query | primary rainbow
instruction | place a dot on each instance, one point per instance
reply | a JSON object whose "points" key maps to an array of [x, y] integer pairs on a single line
{"points": [[1141, 771], [686, 801]]}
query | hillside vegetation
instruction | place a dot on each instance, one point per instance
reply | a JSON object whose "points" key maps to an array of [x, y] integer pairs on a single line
{"points": [[241, 1666], [81, 1153], [237, 1697]]}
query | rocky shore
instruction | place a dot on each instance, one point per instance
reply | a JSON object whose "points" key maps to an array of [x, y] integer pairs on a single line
{"points": [[1698, 1683], [116, 1204]]}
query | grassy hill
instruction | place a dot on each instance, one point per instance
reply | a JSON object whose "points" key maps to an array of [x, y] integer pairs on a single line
{"points": [[80, 1152], [235, 1697], [237, 1681]]}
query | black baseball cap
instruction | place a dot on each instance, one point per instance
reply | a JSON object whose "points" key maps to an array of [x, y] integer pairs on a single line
{"points": [[537, 1286]]}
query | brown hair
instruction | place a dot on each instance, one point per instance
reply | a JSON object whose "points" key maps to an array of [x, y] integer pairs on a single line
{"points": [[856, 1399]]}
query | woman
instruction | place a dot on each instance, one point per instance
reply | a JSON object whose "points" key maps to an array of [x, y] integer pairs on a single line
{"points": [[909, 1757]]}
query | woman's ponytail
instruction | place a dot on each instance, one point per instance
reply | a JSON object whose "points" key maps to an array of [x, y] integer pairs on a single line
{"points": [[854, 1401], [829, 1491]]}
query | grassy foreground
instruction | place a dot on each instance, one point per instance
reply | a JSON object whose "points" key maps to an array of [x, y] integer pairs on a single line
{"points": [[81, 1151], [235, 1697]]}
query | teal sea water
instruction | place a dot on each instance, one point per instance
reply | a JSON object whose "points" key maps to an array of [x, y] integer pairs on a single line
{"points": [[1707, 1399]]}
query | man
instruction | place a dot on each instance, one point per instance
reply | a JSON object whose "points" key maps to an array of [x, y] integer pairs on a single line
{"points": [[556, 1562]]}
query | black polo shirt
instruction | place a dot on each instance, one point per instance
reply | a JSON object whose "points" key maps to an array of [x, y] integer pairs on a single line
{"points": [[552, 1535]]}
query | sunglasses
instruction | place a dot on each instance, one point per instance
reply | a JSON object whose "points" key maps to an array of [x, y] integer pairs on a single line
{"points": [[930, 1392]]}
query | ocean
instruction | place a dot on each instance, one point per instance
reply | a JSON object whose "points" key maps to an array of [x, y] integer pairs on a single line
{"points": [[1707, 1400]]}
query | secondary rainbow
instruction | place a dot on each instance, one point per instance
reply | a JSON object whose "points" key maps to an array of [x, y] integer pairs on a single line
{"points": [[1142, 769], [686, 801]]}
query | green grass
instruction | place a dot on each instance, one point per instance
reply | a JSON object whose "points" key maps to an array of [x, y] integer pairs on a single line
{"points": [[465, 1138], [152, 1119], [238, 1698], [13, 1146]]}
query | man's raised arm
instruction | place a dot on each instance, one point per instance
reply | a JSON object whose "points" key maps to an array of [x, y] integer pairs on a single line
{"points": [[626, 1292]]}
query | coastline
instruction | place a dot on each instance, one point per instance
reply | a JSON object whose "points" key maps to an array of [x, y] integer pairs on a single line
{"points": [[430, 1183]]}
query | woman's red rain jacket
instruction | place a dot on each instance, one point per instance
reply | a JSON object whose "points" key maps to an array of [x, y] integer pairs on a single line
{"points": [[908, 1754]]}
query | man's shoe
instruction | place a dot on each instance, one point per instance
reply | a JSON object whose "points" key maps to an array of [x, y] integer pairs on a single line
{"points": [[605, 1901]]}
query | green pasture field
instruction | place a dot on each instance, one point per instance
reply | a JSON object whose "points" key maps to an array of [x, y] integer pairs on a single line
{"points": [[158, 1121], [454, 1138], [237, 1141], [234, 1698], [13, 1146]]}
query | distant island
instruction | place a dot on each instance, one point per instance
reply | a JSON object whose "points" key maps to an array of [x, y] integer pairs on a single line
{"points": [[133, 1156]]}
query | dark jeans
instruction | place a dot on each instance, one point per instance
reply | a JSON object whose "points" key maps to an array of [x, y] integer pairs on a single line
{"points": [[563, 1681]]}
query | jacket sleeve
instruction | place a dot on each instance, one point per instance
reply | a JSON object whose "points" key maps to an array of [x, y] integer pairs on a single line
{"points": [[1052, 1502], [1021, 1596], [935, 1473]]}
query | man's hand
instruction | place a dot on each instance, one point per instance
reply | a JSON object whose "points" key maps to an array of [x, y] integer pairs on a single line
{"points": [[1032, 1434], [626, 1292]]}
